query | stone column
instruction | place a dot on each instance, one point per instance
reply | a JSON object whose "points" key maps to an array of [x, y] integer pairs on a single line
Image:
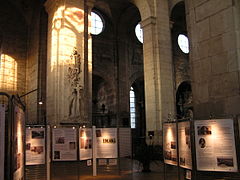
{"points": [[66, 88], [158, 75], [214, 57], [88, 56]]}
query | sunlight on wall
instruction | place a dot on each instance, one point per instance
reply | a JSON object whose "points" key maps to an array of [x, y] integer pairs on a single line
{"points": [[8, 73], [67, 26]]}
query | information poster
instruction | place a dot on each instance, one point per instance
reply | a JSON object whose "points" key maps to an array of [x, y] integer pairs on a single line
{"points": [[107, 143], [18, 144], [170, 143], [35, 146], [85, 143], [64, 144], [2, 140], [215, 145], [184, 140]]}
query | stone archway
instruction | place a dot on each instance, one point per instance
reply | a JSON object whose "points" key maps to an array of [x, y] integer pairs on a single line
{"points": [[145, 8]]}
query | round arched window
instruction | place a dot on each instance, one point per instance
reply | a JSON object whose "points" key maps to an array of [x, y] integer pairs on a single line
{"points": [[183, 43], [139, 33], [96, 24]]}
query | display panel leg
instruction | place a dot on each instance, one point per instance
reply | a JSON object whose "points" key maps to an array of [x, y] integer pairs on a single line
{"points": [[94, 151]]}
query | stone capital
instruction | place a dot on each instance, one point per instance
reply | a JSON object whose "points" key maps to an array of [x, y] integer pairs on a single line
{"points": [[148, 21], [90, 3], [51, 5]]}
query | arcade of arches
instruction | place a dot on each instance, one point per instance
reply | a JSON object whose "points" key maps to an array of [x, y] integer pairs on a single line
{"points": [[84, 78]]}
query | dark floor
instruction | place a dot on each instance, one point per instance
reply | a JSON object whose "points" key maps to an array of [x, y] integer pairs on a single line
{"points": [[126, 169]]}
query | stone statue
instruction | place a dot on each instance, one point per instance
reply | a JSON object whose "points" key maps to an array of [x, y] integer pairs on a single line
{"points": [[74, 78]]}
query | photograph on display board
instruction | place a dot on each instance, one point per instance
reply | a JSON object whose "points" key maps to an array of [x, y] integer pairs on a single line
{"points": [[35, 146], [85, 140], [37, 134], [225, 161], [170, 143], [85, 143], [204, 130], [64, 146], [57, 155], [215, 145], [60, 140]]}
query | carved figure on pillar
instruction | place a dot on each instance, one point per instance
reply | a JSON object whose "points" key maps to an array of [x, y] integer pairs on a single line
{"points": [[74, 78]]}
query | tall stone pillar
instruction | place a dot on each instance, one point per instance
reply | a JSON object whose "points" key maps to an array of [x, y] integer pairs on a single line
{"points": [[158, 77], [67, 86]]}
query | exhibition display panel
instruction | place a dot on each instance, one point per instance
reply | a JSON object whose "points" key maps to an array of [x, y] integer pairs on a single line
{"points": [[64, 144], [215, 145], [85, 143], [35, 146], [170, 143], [107, 143], [18, 144], [125, 142], [200, 147], [184, 145], [2, 140], [12, 138]]}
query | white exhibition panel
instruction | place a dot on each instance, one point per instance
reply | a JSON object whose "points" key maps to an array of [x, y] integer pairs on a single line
{"points": [[18, 144], [85, 143], [215, 145], [107, 143], [170, 143], [184, 145], [125, 142], [2, 140], [35, 146], [64, 144]]}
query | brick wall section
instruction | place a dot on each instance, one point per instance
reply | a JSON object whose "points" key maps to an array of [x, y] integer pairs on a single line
{"points": [[214, 57]]}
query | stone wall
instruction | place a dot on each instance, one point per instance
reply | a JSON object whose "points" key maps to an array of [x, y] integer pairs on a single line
{"points": [[118, 60], [32, 65], [13, 50], [214, 57]]}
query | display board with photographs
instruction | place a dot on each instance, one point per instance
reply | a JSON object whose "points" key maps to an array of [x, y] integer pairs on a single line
{"points": [[64, 144], [215, 145], [170, 143], [2, 140], [184, 145], [18, 144], [107, 143], [35, 146], [85, 143], [125, 143]]}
